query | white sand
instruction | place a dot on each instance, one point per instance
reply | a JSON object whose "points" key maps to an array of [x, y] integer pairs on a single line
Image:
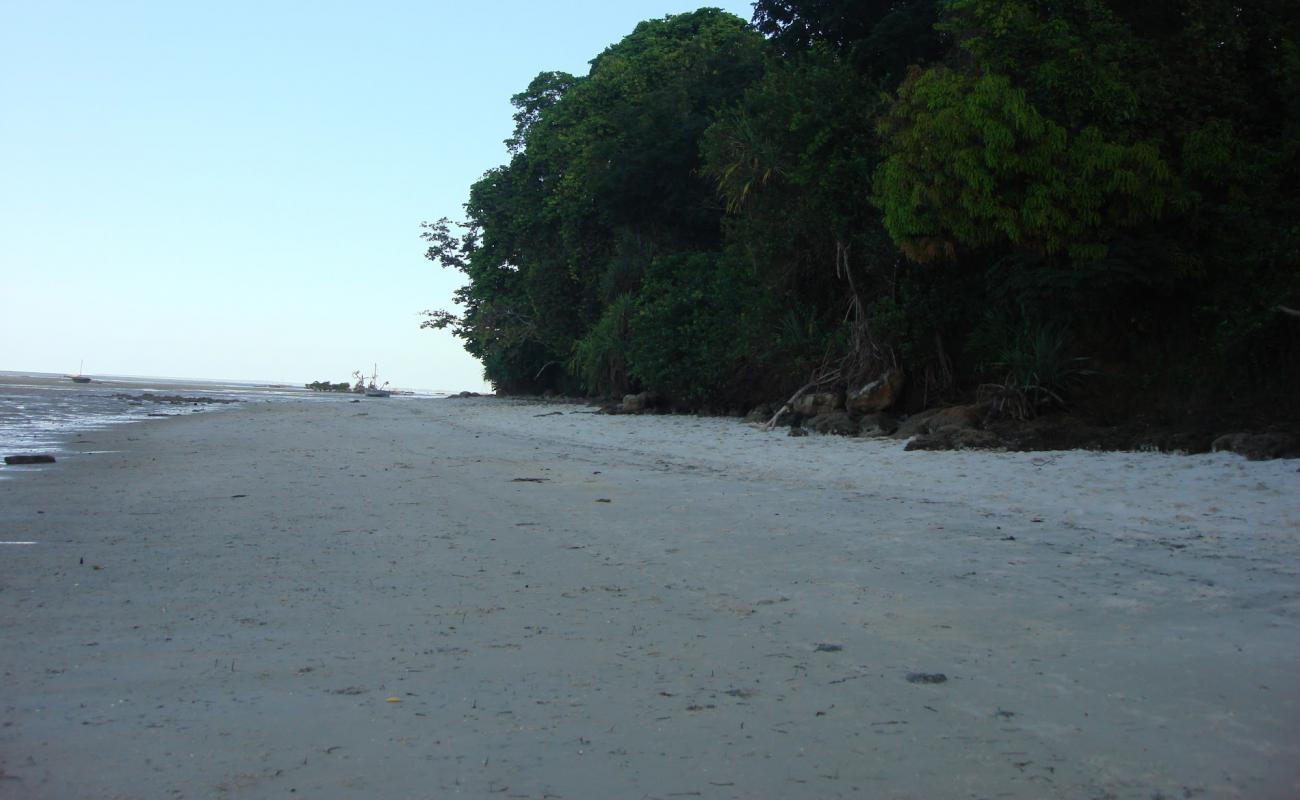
{"points": [[1118, 625]]}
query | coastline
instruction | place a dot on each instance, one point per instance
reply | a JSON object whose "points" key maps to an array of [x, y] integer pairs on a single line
{"points": [[664, 605]]}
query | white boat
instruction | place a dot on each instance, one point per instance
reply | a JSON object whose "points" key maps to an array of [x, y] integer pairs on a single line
{"points": [[79, 378]]}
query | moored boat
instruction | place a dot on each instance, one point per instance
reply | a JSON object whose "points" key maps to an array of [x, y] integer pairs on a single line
{"points": [[372, 389]]}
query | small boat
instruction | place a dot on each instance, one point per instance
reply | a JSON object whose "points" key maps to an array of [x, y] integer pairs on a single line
{"points": [[79, 378]]}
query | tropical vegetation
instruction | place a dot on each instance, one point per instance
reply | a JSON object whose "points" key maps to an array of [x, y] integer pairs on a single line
{"points": [[1090, 202]]}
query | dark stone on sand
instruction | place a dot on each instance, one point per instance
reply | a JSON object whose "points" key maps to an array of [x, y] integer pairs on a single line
{"points": [[828, 648], [795, 430], [30, 459], [926, 677]]}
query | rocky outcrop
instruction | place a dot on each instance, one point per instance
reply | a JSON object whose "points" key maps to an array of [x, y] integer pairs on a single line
{"points": [[839, 423], [915, 424], [877, 395], [1259, 446], [952, 438], [814, 403], [639, 403], [957, 417], [761, 413], [877, 425], [936, 419]]}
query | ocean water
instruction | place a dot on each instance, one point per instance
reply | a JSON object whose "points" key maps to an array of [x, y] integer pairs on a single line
{"points": [[44, 413]]}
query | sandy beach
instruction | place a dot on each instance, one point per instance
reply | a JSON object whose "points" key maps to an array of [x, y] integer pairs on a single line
{"points": [[413, 598]]}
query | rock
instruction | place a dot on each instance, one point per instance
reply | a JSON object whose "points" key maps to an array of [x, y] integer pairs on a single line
{"points": [[795, 430], [957, 417], [761, 413], [917, 423], [877, 395], [926, 677], [468, 394], [953, 438], [814, 403], [877, 425], [639, 403], [838, 423], [30, 459], [935, 419], [1259, 446]]}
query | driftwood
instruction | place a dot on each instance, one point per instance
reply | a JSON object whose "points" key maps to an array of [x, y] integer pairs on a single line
{"points": [[36, 459], [1289, 311], [820, 379]]}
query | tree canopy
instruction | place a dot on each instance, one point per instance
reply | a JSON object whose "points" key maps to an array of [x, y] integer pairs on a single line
{"points": [[719, 210]]}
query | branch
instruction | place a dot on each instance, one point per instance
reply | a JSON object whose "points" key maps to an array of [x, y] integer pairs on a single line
{"points": [[1289, 311], [820, 379]]}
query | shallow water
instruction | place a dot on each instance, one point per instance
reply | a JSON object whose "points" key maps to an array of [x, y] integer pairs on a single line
{"points": [[43, 413]]}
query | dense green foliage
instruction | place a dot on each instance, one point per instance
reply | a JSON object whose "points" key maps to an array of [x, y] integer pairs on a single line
{"points": [[1091, 202]]}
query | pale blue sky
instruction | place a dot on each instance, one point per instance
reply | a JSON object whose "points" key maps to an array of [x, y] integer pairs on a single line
{"points": [[234, 189]]}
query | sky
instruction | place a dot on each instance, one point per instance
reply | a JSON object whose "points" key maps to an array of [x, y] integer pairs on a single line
{"points": [[233, 190]]}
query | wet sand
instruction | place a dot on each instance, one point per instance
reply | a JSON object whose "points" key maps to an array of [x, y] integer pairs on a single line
{"points": [[435, 598]]}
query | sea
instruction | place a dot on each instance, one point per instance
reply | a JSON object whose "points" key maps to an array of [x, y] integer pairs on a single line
{"points": [[43, 412]]}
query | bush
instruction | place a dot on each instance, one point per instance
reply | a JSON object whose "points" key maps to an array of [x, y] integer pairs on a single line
{"points": [[600, 358], [686, 333]]}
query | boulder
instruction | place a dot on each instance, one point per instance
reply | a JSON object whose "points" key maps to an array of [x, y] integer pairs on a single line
{"points": [[641, 402], [877, 395], [634, 403], [814, 403], [877, 425], [934, 419], [761, 413], [838, 423], [917, 423], [957, 417], [1259, 446]]}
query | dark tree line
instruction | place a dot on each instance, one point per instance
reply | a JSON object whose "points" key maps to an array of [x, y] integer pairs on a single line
{"points": [[1091, 202]]}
